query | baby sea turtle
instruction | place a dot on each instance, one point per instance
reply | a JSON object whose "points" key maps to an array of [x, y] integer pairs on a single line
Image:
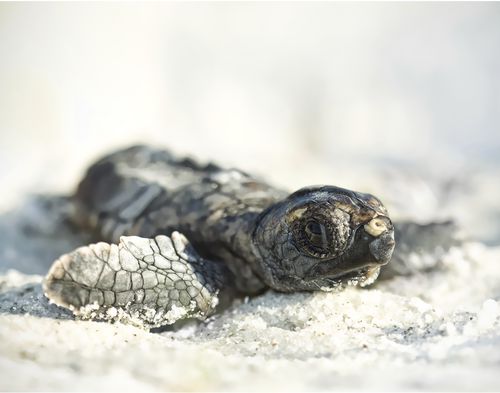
{"points": [[244, 236]]}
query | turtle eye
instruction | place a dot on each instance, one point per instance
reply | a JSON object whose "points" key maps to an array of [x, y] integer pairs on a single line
{"points": [[314, 238], [316, 234]]}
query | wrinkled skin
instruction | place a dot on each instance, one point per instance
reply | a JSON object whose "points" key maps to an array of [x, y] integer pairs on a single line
{"points": [[248, 236], [319, 237]]}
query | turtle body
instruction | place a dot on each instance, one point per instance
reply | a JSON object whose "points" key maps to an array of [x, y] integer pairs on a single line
{"points": [[143, 204]]}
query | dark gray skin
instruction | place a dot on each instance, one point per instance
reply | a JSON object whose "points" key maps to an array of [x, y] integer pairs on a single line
{"points": [[340, 249], [250, 236]]}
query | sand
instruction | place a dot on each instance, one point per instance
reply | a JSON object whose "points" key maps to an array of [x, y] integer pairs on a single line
{"points": [[437, 330]]}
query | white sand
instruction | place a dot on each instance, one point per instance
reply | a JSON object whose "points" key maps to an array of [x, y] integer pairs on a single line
{"points": [[304, 94], [438, 331], [434, 331]]}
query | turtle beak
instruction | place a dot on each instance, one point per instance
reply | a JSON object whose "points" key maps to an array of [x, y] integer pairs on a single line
{"points": [[382, 247]]}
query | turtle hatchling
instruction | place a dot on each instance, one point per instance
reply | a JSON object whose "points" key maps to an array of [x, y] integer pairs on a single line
{"points": [[172, 237]]}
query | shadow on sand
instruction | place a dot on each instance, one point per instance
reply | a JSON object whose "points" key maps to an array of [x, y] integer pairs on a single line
{"points": [[29, 299], [36, 233]]}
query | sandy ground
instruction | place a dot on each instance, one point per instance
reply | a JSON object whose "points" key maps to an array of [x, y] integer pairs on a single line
{"points": [[398, 99], [437, 330]]}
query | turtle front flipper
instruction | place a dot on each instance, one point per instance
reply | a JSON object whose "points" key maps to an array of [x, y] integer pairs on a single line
{"points": [[145, 282], [420, 247]]}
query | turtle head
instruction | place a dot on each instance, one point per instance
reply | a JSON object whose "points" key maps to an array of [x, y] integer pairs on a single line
{"points": [[320, 238]]}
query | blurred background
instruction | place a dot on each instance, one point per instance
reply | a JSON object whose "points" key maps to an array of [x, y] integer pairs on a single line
{"points": [[400, 99]]}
